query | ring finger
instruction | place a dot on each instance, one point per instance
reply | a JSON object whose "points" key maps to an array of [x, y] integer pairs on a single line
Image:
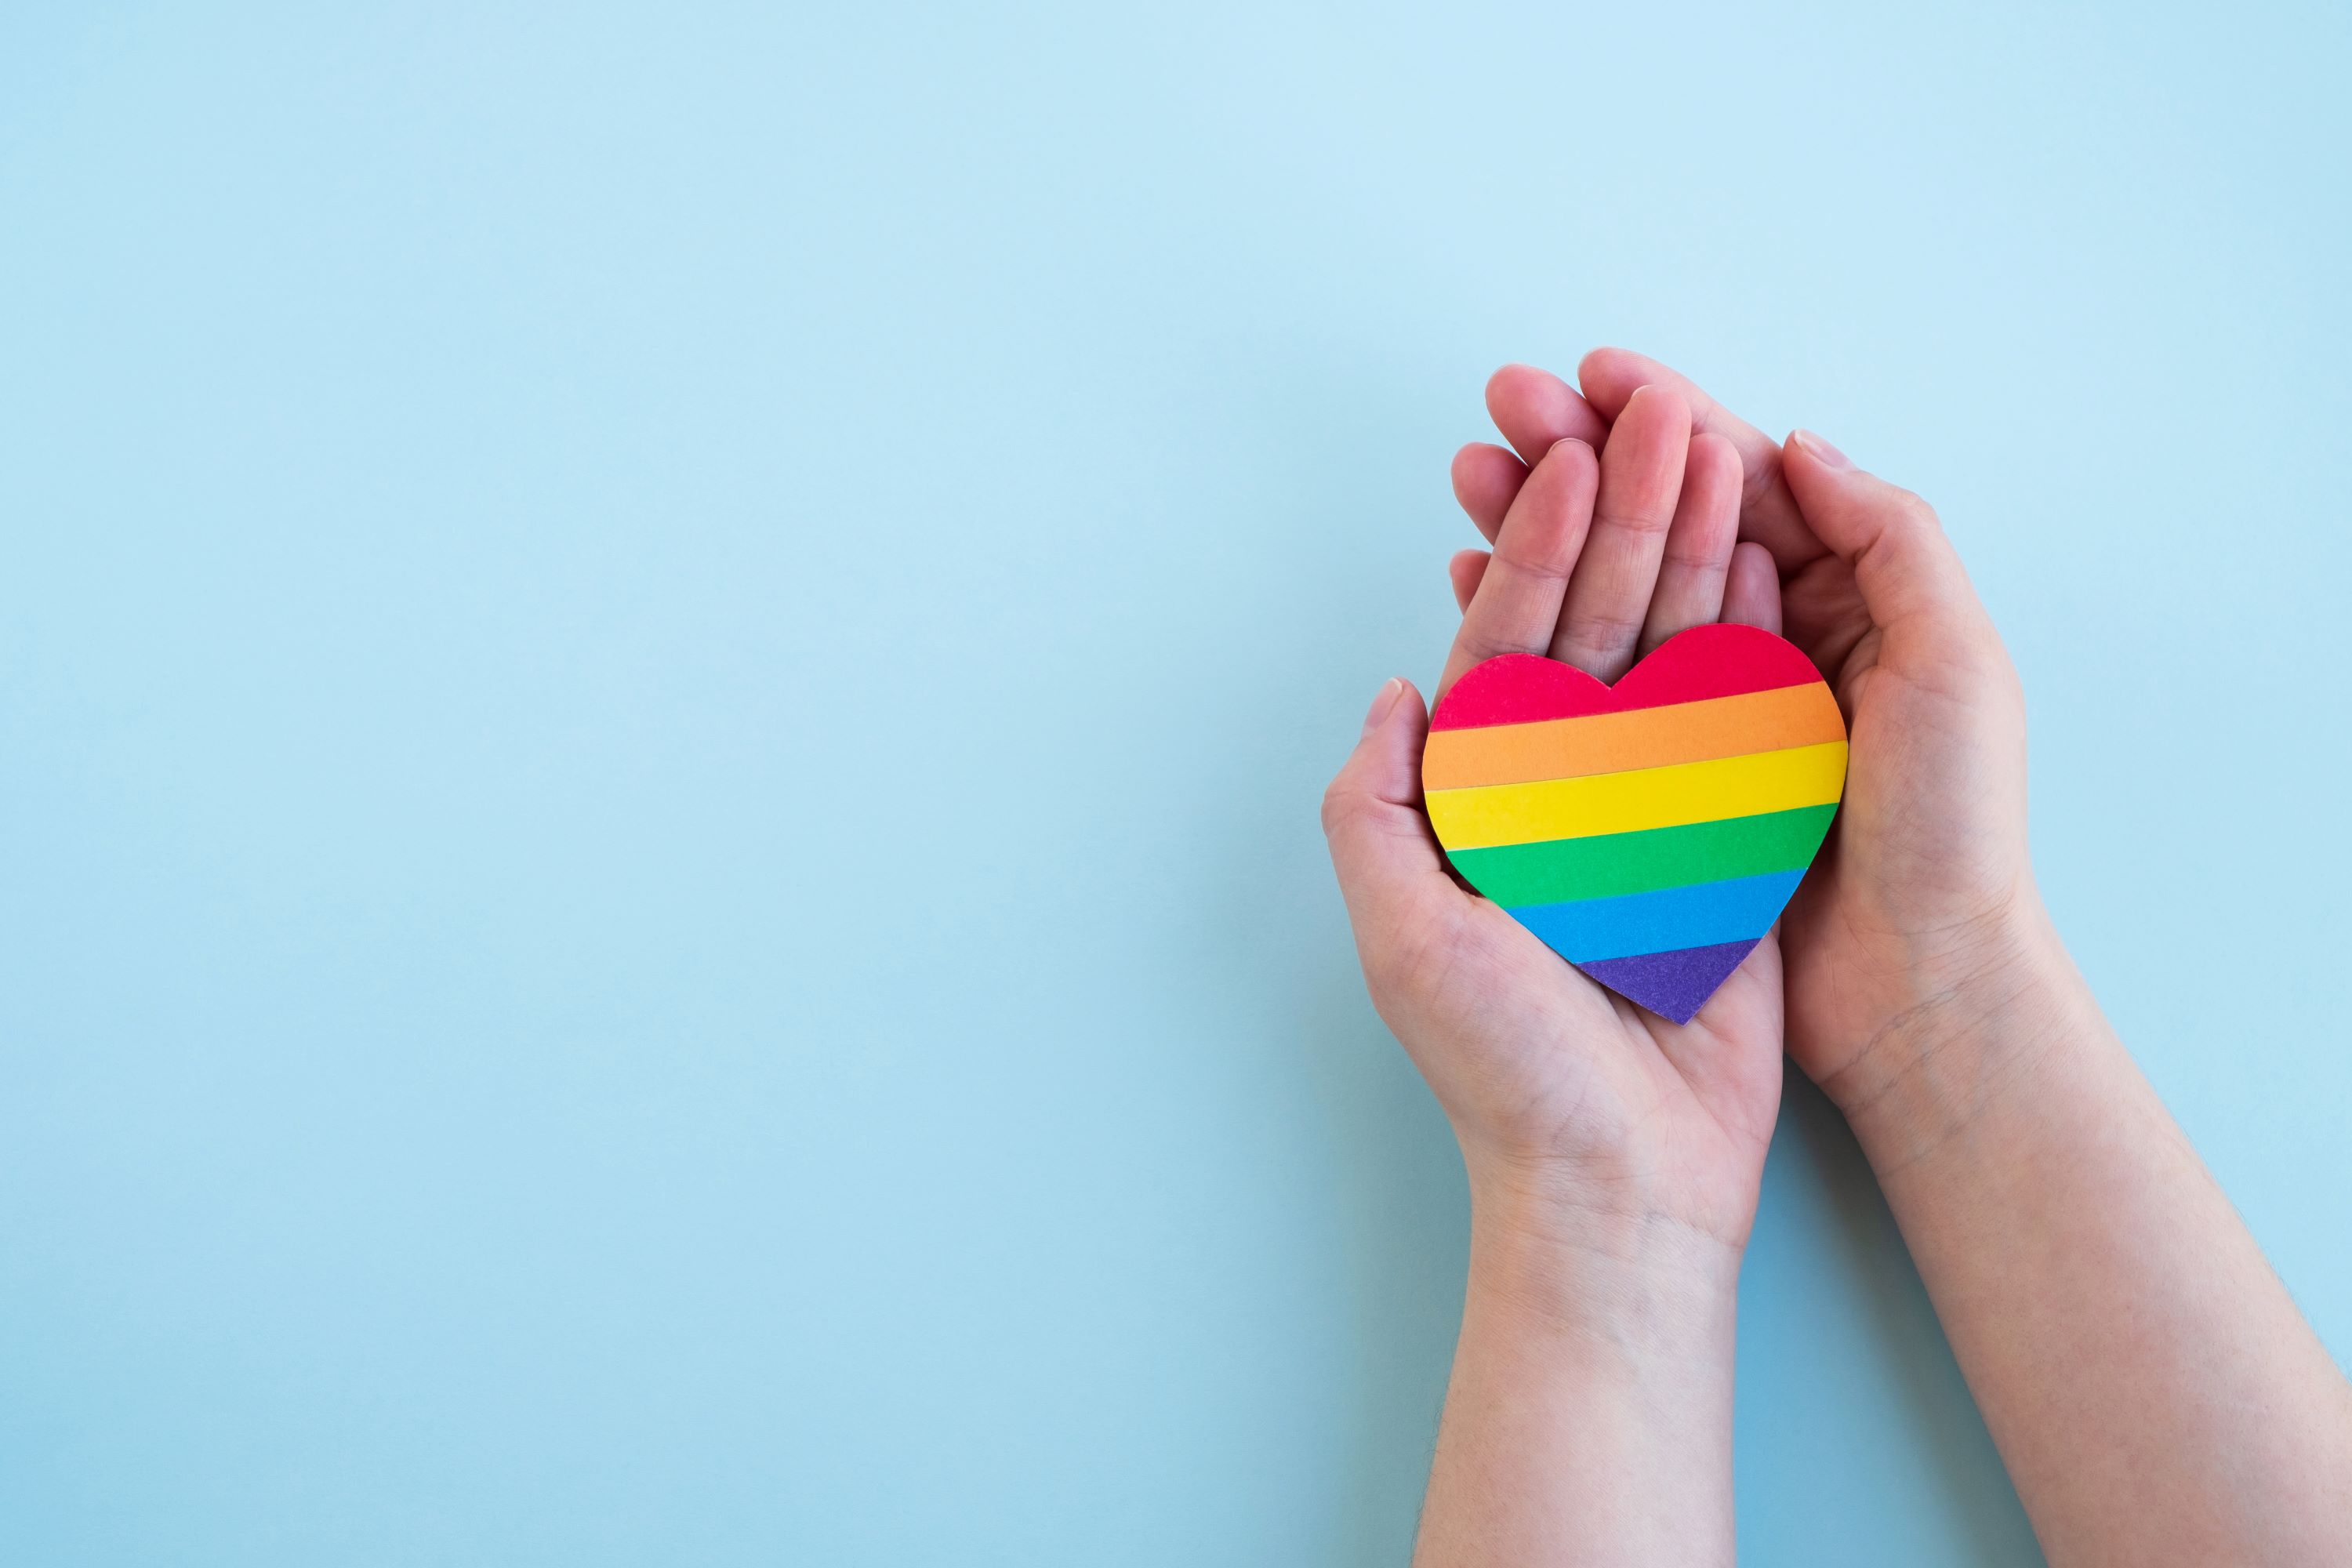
{"points": [[1699, 544]]}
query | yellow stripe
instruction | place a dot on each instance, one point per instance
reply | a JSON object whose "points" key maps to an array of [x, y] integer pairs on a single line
{"points": [[1639, 799]]}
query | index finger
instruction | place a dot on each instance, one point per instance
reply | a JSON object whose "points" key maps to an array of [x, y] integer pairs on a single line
{"points": [[1515, 608], [1535, 411]]}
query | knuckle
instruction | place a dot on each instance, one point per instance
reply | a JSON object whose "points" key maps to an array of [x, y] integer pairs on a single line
{"points": [[1388, 973], [1342, 806], [1699, 555], [1600, 639], [1608, 627], [1403, 961], [1643, 522], [1916, 513], [1479, 646], [1547, 566]]}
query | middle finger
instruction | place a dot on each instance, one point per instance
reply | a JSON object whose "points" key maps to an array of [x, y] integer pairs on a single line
{"points": [[1641, 478]]}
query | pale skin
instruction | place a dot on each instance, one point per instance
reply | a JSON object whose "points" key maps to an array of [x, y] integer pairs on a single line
{"points": [[2156, 1394]]}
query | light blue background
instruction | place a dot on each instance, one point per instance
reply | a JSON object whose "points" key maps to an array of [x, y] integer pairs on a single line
{"points": [[664, 673]]}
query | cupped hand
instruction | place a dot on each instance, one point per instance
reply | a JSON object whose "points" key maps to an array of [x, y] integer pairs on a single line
{"points": [[1923, 899], [1564, 1095]]}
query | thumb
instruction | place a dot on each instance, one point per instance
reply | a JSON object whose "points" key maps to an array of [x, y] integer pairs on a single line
{"points": [[1906, 568], [1380, 843]]}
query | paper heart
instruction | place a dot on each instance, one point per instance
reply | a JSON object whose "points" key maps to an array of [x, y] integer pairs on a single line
{"points": [[1648, 832]]}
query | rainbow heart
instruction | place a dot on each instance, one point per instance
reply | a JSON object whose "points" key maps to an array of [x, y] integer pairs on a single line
{"points": [[1649, 832]]}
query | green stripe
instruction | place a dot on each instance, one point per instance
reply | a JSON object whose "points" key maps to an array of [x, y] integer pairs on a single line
{"points": [[1610, 865]]}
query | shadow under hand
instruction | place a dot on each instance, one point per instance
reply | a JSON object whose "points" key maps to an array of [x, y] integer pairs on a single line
{"points": [[1407, 1207], [1857, 1441]]}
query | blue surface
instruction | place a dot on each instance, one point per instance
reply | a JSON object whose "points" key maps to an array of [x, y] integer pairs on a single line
{"points": [[1700, 914], [663, 678]]}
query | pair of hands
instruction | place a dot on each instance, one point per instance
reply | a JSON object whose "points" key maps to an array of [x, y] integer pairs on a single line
{"points": [[1620, 516]]}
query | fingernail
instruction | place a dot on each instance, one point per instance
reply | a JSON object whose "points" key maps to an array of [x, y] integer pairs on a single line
{"points": [[1382, 701], [1821, 449]]}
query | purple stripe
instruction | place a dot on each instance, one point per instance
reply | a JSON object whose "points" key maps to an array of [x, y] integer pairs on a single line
{"points": [[1672, 985]]}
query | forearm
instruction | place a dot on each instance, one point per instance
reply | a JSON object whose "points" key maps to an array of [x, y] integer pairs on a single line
{"points": [[2155, 1393], [1589, 1416]]}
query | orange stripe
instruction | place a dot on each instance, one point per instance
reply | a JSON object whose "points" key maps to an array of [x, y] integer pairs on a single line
{"points": [[1645, 738]]}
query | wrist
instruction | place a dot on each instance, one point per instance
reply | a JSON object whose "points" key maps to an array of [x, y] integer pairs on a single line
{"points": [[1589, 1413], [1978, 1040], [1636, 1279]]}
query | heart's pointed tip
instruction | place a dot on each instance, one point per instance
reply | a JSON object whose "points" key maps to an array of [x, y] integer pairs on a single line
{"points": [[1673, 985]]}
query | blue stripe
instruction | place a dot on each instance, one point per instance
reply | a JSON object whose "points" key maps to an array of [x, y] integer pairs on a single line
{"points": [[1699, 915]]}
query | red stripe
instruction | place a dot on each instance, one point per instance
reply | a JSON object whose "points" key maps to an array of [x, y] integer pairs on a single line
{"points": [[1692, 666]]}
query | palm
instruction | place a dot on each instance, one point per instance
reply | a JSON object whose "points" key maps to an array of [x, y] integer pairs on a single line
{"points": [[1594, 563], [1923, 851], [1530, 1055]]}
